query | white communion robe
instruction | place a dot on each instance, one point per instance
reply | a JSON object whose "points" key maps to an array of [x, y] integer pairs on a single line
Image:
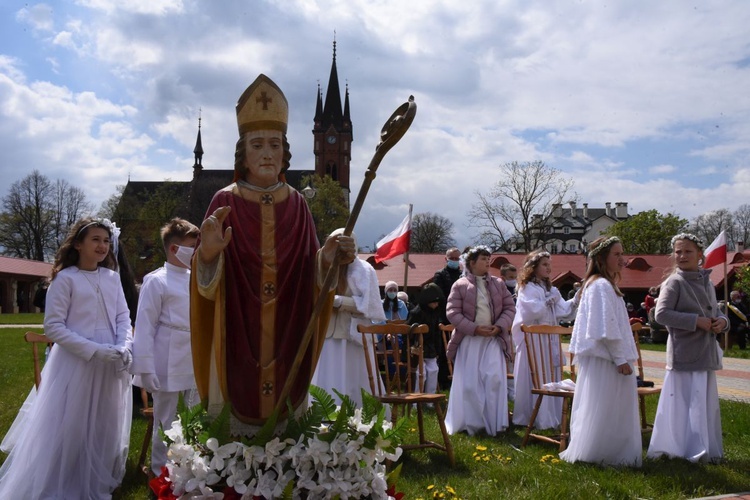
{"points": [[604, 425], [532, 309], [342, 361], [76, 442], [161, 346]]}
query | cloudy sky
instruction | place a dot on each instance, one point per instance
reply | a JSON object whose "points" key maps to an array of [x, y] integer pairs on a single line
{"points": [[638, 101]]}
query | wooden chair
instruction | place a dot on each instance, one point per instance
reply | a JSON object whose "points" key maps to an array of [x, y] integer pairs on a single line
{"points": [[403, 387], [643, 391], [35, 339], [447, 330], [540, 342]]}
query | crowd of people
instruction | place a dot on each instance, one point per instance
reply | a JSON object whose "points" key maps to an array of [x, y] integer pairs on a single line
{"points": [[230, 320]]}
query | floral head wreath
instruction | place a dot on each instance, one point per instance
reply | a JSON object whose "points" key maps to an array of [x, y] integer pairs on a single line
{"points": [[536, 258], [604, 244], [472, 251], [688, 236], [111, 226]]}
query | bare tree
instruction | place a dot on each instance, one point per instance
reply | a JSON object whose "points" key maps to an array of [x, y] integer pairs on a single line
{"points": [[69, 205], [108, 208], [37, 214], [524, 189], [708, 226], [431, 233], [742, 224], [27, 219]]}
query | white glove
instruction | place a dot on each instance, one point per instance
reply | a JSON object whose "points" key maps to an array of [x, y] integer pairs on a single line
{"points": [[106, 353], [150, 382], [126, 357], [337, 300]]}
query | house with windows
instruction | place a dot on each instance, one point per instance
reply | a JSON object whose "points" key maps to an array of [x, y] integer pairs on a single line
{"points": [[569, 230]]}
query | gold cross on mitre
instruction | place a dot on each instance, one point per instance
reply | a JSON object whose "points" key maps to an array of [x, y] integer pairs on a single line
{"points": [[262, 106]]}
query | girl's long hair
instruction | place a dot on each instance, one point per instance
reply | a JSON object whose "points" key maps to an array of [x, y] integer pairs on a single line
{"points": [[68, 256], [597, 265], [530, 265]]}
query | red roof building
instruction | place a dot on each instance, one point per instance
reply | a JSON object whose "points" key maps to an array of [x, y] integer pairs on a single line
{"points": [[19, 281], [641, 273]]}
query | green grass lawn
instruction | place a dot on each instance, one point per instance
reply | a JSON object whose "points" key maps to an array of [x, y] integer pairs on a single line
{"points": [[499, 468], [22, 319]]}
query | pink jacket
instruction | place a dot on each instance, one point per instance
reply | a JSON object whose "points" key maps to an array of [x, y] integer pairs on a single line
{"points": [[462, 306]]}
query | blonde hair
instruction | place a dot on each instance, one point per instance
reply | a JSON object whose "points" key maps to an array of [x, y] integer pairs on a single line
{"points": [[597, 263]]}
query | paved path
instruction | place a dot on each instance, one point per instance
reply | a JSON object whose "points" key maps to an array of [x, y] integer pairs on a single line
{"points": [[733, 380]]}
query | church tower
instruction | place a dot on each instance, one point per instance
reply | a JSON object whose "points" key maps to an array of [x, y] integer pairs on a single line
{"points": [[332, 133]]}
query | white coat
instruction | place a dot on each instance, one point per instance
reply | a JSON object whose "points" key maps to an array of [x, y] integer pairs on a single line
{"points": [[161, 342]]}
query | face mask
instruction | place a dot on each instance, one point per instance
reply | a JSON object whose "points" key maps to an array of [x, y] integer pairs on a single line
{"points": [[391, 295], [510, 283], [184, 255], [452, 264]]}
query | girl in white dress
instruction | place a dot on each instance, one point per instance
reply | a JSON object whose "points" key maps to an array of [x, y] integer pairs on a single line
{"points": [[76, 442], [481, 309], [688, 421], [342, 365], [538, 303], [604, 425]]}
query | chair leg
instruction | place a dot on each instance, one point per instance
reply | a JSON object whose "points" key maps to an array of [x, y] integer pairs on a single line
{"points": [[420, 423], [146, 443], [642, 405], [537, 405], [446, 437], [564, 431]]}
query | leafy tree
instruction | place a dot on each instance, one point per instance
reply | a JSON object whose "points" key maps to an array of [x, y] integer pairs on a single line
{"points": [[37, 214], [742, 281], [431, 233], [328, 205], [647, 232], [524, 189]]}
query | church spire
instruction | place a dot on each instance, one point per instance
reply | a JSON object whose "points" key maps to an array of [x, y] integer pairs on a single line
{"points": [[332, 113], [198, 150]]}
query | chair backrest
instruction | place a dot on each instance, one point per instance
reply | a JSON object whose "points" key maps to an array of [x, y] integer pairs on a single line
{"points": [[637, 327], [35, 339], [447, 331], [394, 357], [544, 351]]}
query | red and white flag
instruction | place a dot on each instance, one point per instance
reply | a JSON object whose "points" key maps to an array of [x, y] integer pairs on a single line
{"points": [[394, 243], [716, 253]]}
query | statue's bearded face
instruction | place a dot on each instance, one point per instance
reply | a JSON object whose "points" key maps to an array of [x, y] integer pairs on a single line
{"points": [[264, 153]]}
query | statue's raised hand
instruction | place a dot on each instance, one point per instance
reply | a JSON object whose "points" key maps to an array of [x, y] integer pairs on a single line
{"points": [[213, 239]]}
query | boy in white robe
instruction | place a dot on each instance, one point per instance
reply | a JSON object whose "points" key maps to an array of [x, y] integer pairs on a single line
{"points": [[162, 358]]}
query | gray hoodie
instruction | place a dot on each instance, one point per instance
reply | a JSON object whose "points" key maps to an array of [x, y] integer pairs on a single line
{"points": [[685, 296]]}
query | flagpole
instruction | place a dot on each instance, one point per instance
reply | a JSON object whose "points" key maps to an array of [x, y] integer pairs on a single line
{"points": [[406, 256], [726, 304]]}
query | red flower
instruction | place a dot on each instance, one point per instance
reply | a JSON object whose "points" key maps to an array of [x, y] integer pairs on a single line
{"points": [[391, 491], [161, 487]]}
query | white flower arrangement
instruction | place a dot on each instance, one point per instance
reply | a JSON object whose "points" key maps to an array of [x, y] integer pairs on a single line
{"points": [[338, 452]]}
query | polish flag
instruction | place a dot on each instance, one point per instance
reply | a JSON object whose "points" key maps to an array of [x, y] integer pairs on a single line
{"points": [[395, 243], [716, 253]]}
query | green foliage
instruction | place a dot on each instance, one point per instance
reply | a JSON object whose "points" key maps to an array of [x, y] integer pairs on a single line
{"points": [[329, 206], [742, 280], [647, 232]]}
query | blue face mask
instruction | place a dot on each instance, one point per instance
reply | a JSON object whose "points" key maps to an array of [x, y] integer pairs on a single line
{"points": [[391, 295], [453, 264]]}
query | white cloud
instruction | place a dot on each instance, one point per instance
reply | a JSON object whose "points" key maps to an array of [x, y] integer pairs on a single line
{"points": [[39, 17], [662, 169]]}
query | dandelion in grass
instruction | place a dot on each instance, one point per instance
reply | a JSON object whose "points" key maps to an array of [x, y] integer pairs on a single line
{"points": [[481, 448]]}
